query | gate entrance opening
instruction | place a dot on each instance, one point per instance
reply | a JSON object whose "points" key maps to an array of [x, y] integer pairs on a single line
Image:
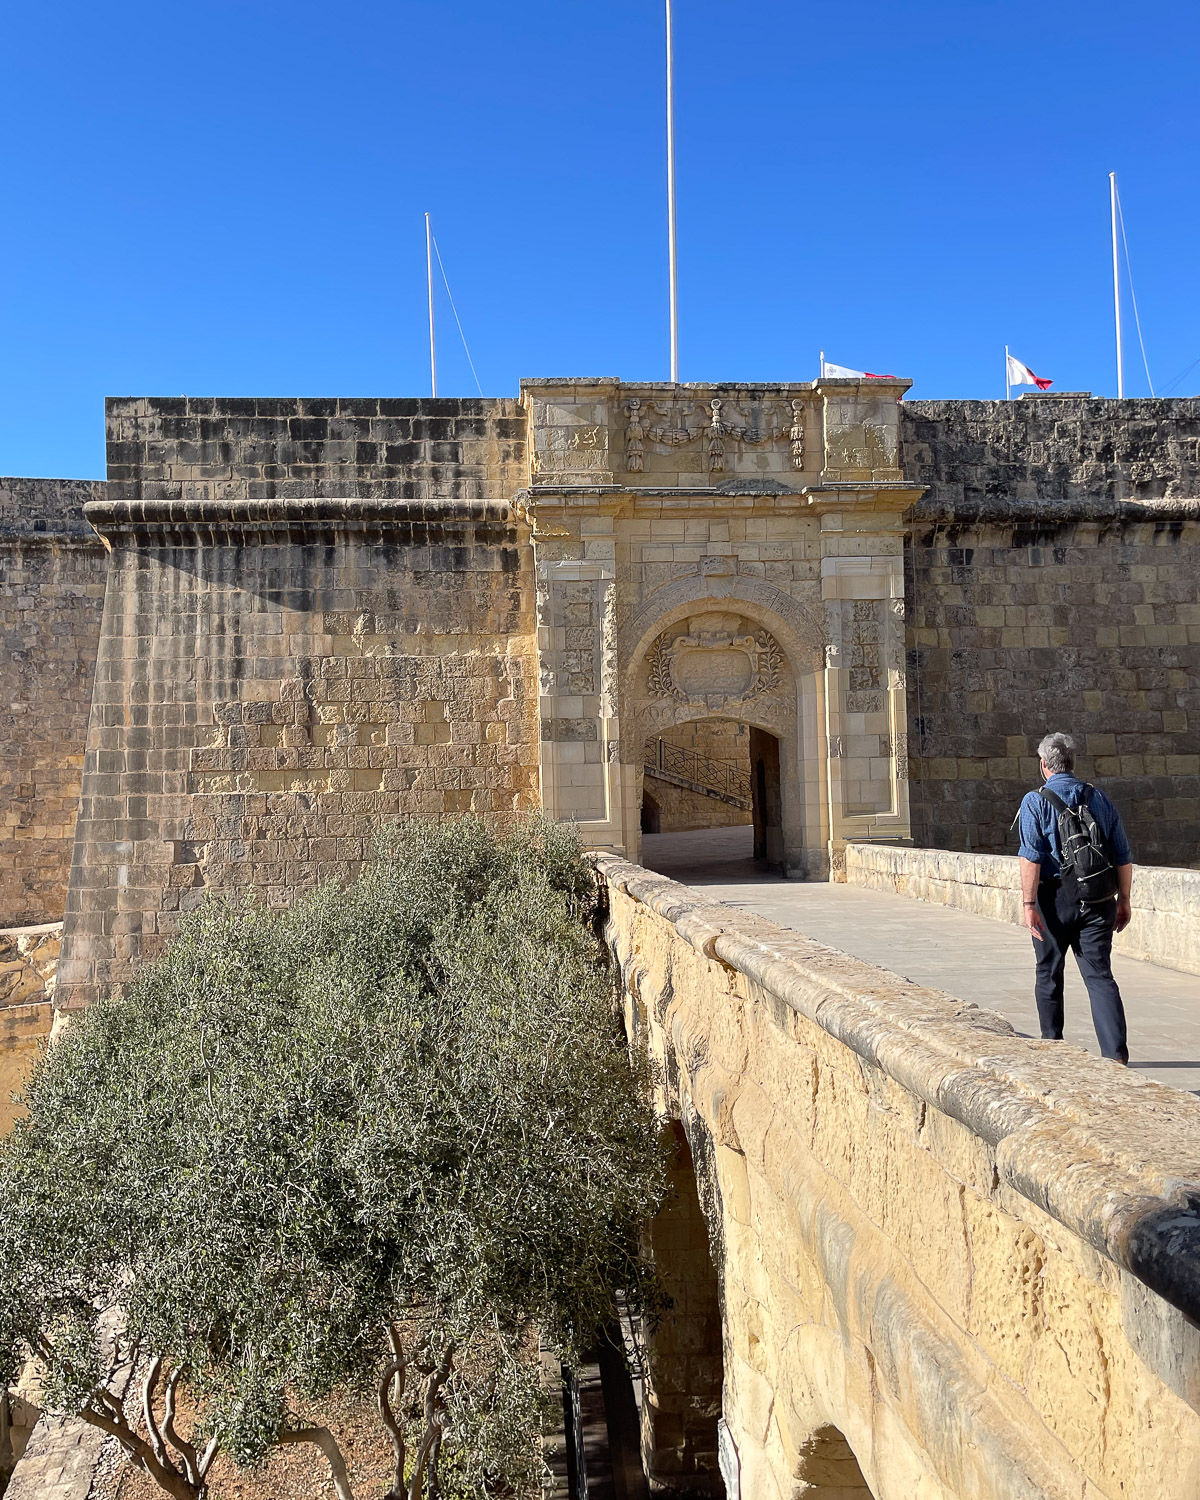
{"points": [[711, 800]]}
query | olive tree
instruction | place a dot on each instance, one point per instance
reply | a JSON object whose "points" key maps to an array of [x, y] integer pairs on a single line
{"points": [[384, 1139]]}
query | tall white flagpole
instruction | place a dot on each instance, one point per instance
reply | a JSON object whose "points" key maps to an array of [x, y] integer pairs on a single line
{"points": [[429, 269], [1007, 387], [1112, 194], [822, 364], [671, 197]]}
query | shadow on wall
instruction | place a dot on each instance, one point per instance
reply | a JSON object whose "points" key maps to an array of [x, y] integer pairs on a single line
{"points": [[828, 1469], [684, 1356]]}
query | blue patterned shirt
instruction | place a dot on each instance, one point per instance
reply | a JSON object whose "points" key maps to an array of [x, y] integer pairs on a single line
{"points": [[1039, 823]]}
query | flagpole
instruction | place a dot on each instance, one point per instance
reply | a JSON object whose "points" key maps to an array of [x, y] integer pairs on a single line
{"points": [[671, 197], [1112, 194], [1007, 387], [429, 270], [822, 364]]}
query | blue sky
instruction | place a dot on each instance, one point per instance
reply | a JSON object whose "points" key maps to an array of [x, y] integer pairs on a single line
{"points": [[228, 198]]}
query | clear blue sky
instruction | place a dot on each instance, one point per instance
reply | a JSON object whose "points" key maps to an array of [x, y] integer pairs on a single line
{"points": [[227, 198]]}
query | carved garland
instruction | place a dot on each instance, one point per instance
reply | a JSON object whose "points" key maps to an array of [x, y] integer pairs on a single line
{"points": [[676, 430], [667, 665]]}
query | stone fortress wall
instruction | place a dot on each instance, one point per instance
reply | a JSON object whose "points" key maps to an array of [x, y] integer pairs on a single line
{"points": [[319, 618], [52, 571], [1053, 581], [524, 577]]}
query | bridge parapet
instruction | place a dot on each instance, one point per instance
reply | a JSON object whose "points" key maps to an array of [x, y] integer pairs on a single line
{"points": [[973, 1256], [1164, 928]]}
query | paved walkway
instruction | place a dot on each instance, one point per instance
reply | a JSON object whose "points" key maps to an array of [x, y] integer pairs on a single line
{"points": [[972, 957]]}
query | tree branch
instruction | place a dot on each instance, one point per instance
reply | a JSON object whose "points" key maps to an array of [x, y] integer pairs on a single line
{"points": [[325, 1440], [206, 1458], [185, 1449], [435, 1421], [149, 1387], [391, 1389], [164, 1475]]}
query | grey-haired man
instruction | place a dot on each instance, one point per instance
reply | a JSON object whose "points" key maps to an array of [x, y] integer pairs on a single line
{"points": [[1053, 914]]}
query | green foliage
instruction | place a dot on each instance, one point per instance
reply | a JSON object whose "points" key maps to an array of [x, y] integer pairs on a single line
{"points": [[406, 1097]]}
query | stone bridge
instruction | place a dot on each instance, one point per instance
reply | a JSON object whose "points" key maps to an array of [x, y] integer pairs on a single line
{"points": [[926, 1258]]}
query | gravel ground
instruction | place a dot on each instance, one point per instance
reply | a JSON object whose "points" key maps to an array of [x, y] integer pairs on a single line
{"points": [[293, 1473]]}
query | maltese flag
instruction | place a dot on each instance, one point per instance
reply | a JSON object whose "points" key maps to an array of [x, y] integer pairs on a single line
{"points": [[1019, 374]]}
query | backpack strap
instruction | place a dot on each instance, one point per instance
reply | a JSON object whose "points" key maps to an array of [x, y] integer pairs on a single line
{"points": [[1053, 798]]}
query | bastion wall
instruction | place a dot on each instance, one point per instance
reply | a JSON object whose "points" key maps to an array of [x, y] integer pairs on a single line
{"points": [[1053, 582], [492, 574], [318, 618], [52, 568]]}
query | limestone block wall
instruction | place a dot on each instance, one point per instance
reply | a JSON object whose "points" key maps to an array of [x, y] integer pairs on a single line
{"points": [[319, 617], [1164, 928], [24, 1031], [28, 966], [970, 1255], [160, 448], [51, 596], [277, 679], [1053, 581]]}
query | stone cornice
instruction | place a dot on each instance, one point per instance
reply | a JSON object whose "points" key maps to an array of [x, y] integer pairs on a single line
{"points": [[199, 520], [875, 495]]}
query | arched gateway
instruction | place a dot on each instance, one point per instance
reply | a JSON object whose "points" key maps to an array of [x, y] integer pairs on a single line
{"points": [[730, 553]]}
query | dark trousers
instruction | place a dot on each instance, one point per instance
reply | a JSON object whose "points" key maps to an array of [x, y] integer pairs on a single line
{"points": [[1088, 932]]}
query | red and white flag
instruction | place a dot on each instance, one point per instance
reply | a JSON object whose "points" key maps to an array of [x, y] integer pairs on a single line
{"points": [[1019, 374], [843, 372]]}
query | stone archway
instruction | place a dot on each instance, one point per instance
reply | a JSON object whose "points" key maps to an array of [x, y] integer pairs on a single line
{"points": [[684, 1362], [739, 662]]}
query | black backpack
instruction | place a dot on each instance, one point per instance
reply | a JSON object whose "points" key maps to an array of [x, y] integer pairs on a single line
{"points": [[1089, 870]]}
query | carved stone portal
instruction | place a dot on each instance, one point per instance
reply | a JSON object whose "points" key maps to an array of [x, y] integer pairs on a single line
{"points": [[715, 663]]}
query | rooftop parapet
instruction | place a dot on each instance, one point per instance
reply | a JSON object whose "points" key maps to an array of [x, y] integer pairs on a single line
{"points": [[300, 448]]}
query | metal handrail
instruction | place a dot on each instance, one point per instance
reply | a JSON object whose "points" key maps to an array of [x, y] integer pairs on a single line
{"points": [[723, 778]]}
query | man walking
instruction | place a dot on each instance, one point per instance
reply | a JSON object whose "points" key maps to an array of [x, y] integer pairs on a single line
{"points": [[1053, 912]]}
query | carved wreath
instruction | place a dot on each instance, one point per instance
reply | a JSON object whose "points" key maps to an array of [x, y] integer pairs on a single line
{"points": [[764, 666]]}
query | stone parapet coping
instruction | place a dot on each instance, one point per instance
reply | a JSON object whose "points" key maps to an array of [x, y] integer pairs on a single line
{"points": [[1113, 1157], [47, 510], [1048, 513], [204, 517], [1164, 928]]}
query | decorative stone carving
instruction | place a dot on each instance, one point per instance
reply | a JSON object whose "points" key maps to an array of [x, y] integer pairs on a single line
{"points": [[713, 663], [634, 433], [716, 440], [675, 430], [750, 424], [569, 447], [866, 668], [796, 434]]}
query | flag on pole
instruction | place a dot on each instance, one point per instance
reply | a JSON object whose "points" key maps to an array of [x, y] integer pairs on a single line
{"points": [[1019, 374], [843, 372]]}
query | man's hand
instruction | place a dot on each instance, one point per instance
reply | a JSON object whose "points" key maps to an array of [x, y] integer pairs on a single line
{"points": [[1031, 874], [1124, 890]]}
